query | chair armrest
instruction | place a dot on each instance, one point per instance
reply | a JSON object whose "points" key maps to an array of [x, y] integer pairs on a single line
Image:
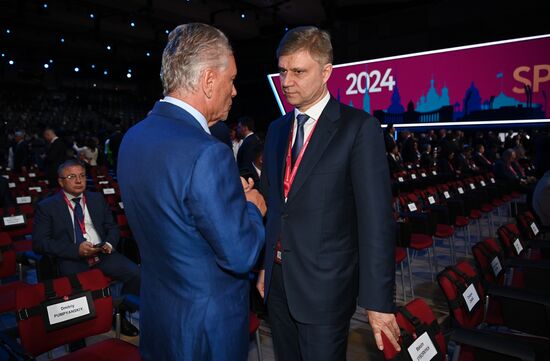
{"points": [[494, 342]]}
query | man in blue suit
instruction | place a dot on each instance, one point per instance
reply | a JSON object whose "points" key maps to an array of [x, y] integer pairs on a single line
{"points": [[330, 235], [72, 224], [197, 234]]}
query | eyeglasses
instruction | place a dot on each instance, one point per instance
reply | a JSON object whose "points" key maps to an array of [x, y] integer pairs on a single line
{"points": [[72, 177]]}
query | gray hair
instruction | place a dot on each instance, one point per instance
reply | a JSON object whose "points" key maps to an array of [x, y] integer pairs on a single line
{"points": [[310, 38], [191, 49], [67, 164]]}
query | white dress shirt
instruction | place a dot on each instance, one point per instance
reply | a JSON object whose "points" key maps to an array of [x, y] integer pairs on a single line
{"points": [[91, 233], [188, 108], [314, 112]]}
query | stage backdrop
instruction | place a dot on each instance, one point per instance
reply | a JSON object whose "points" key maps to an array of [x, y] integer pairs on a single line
{"points": [[505, 82]]}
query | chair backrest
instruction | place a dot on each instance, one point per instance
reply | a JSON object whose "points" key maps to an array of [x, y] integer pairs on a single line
{"points": [[511, 240], [416, 318], [528, 226], [8, 261], [464, 292], [489, 256], [31, 323]]}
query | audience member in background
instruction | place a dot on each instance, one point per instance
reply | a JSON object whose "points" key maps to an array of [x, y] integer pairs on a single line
{"points": [[541, 195], [504, 169], [245, 155], [410, 151], [197, 234], [235, 140], [88, 153], [426, 158], [114, 145], [480, 160], [445, 162], [220, 130], [394, 160], [54, 156], [329, 238], [389, 137], [76, 227], [20, 152], [258, 162], [5, 195]]}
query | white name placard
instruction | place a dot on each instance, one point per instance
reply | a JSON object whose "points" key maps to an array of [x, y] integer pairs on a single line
{"points": [[14, 220], [6, 176], [460, 190], [38, 189], [471, 297], [447, 195], [68, 310], [22, 179], [483, 184], [493, 180], [472, 186], [422, 349], [413, 176], [11, 185], [121, 205], [108, 191], [518, 246], [534, 228], [400, 179], [423, 175], [32, 175], [496, 266], [412, 207], [431, 199], [23, 200], [103, 182]]}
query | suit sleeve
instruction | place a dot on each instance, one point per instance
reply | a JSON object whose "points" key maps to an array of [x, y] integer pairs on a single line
{"points": [[42, 237], [233, 227], [376, 228]]}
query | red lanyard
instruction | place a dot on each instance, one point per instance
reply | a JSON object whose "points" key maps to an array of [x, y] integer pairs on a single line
{"points": [[290, 174], [81, 223]]}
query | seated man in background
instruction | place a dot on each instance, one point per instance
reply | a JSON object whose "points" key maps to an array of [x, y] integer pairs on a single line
{"points": [[76, 227]]}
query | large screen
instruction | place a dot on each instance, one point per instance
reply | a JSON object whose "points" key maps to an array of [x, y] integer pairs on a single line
{"points": [[498, 83]]}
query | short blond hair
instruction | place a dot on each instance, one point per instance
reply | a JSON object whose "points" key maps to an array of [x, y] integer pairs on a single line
{"points": [[310, 38]]}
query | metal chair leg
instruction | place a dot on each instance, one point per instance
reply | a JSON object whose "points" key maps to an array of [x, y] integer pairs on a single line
{"points": [[117, 324], [436, 268], [259, 345], [430, 255], [403, 282], [410, 273], [453, 255]]}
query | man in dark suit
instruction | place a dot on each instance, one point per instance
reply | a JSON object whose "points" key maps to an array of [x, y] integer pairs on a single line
{"points": [[330, 232], [56, 153], [20, 152], [480, 160], [5, 195], [76, 227], [245, 155]]}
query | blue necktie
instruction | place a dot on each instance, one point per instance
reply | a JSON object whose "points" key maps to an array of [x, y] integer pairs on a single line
{"points": [[299, 141], [78, 218]]}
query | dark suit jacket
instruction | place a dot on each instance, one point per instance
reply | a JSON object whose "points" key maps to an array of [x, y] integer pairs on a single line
{"points": [[53, 231], [5, 195], [245, 155], [336, 227], [55, 155], [20, 155], [482, 162], [220, 130]]}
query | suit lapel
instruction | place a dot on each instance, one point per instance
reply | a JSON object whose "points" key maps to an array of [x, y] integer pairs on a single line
{"points": [[320, 139], [282, 149]]}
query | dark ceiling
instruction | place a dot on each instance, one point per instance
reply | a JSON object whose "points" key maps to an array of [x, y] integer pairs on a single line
{"points": [[360, 30]]}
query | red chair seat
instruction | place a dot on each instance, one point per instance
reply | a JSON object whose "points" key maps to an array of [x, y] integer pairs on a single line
{"points": [[486, 208], [475, 214], [420, 241], [506, 198], [7, 296], [107, 350], [400, 254], [461, 221], [253, 322], [22, 246], [515, 194], [444, 231]]}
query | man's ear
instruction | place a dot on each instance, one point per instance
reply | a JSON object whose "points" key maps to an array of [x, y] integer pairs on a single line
{"points": [[327, 71], [208, 78]]}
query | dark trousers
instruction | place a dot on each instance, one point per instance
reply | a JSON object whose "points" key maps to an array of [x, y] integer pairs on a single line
{"points": [[114, 265], [295, 341]]}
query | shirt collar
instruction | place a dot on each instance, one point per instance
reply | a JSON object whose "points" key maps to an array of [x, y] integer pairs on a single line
{"points": [[188, 108], [316, 109], [71, 197]]}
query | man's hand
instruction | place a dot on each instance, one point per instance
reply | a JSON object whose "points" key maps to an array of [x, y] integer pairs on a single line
{"points": [[255, 197], [384, 322], [260, 283], [107, 248], [86, 249], [247, 184]]}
